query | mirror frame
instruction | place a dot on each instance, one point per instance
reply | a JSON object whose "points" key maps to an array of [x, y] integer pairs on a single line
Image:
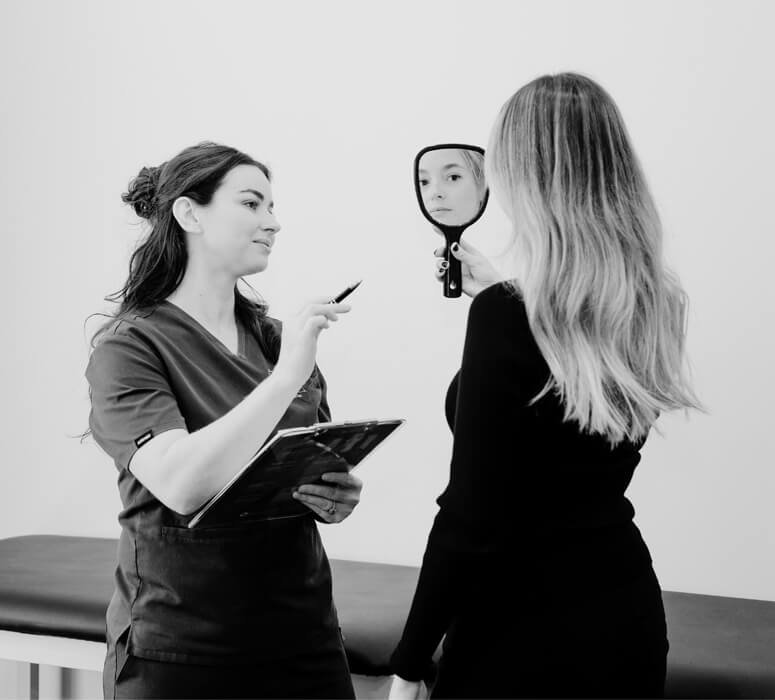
{"points": [[453, 282], [453, 230]]}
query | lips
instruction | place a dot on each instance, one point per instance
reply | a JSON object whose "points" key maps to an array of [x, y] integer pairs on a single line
{"points": [[264, 242], [438, 209]]}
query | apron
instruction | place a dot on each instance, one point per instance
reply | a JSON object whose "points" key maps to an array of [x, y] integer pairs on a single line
{"points": [[222, 595]]}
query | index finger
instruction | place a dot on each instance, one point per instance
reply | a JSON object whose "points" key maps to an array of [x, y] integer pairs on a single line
{"points": [[342, 478], [340, 308], [328, 309]]}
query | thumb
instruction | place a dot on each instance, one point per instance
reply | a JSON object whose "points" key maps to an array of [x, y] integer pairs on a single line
{"points": [[460, 253], [468, 248]]}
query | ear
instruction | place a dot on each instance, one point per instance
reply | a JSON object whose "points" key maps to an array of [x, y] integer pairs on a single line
{"points": [[183, 209]]}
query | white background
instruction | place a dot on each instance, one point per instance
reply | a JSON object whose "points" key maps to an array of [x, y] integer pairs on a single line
{"points": [[337, 97]]}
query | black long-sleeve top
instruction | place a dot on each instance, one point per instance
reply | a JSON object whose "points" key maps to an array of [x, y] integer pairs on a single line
{"points": [[532, 503]]}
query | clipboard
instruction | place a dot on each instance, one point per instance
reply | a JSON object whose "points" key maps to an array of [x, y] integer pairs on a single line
{"points": [[262, 489]]}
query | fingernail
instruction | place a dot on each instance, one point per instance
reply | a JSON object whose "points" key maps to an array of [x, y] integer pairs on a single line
{"points": [[454, 247], [444, 264]]}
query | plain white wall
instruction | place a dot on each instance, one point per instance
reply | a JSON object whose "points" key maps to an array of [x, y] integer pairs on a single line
{"points": [[338, 97]]}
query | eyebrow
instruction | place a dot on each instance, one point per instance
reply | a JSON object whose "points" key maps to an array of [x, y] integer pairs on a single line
{"points": [[258, 194], [446, 167]]}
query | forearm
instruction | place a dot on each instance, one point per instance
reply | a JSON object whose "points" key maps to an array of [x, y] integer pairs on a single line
{"points": [[469, 526], [200, 463], [434, 604]]}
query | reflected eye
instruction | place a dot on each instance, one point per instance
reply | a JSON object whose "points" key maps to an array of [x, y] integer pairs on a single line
{"points": [[423, 182], [455, 177]]}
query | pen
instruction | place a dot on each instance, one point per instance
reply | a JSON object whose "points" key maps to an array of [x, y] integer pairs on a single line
{"points": [[346, 293]]}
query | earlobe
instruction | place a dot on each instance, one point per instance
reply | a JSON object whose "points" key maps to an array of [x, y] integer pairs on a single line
{"points": [[185, 214]]}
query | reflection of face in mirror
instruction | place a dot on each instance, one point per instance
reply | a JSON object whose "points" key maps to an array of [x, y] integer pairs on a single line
{"points": [[452, 184]]}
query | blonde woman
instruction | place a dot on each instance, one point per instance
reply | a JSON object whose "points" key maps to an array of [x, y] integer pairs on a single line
{"points": [[534, 568]]}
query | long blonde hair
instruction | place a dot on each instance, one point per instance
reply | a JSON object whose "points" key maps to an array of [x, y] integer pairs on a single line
{"points": [[606, 313], [475, 162]]}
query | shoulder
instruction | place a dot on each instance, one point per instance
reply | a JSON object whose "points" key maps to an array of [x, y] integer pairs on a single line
{"points": [[131, 338], [500, 302], [498, 326], [138, 327]]}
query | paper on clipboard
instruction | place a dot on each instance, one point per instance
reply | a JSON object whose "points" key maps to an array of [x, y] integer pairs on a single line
{"points": [[261, 490]]}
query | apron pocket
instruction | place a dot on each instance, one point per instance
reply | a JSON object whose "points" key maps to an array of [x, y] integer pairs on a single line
{"points": [[229, 592]]}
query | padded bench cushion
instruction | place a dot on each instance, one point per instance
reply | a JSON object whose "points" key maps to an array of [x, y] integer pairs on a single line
{"points": [[60, 586], [719, 647], [55, 585]]}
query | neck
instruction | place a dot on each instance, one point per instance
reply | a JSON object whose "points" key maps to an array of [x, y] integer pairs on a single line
{"points": [[206, 295]]}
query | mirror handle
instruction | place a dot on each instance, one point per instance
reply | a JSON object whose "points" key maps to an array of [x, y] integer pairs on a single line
{"points": [[453, 278]]}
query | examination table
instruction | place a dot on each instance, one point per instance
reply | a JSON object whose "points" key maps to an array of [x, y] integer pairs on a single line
{"points": [[54, 591]]}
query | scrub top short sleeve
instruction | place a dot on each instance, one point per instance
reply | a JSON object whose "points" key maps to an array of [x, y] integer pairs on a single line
{"points": [[130, 395]]}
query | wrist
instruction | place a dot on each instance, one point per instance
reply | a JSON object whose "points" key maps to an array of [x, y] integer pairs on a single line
{"points": [[283, 381]]}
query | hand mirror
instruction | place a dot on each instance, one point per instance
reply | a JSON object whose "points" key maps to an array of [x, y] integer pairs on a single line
{"points": [[452, 194]]}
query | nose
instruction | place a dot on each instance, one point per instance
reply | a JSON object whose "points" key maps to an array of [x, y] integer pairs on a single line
{"points": [[270, 224]]}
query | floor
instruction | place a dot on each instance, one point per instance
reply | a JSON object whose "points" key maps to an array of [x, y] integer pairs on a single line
{"points": [[69, 684]]}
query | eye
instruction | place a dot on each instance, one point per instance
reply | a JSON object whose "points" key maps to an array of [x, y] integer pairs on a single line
{"points": [[251, 204], [455, 177]]}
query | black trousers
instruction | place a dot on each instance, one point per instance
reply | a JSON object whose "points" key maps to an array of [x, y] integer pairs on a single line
{"points": [[565, 643], [323, 673]]}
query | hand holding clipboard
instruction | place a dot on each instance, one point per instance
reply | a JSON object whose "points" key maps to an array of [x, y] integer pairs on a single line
{"points": [[333, 500], [263, 488]]}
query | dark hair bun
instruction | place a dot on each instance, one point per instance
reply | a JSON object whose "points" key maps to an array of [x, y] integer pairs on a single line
{"points": [[142, 191]]}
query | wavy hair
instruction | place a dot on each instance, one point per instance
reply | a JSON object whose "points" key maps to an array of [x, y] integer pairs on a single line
{"points": [[607, 314], [475, 163]]}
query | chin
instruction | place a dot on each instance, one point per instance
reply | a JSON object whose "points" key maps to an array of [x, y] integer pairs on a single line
{"points": [[255, 268]]}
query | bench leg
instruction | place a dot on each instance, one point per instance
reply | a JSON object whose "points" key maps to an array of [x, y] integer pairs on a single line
{"points": [[67, 682], [34, 681]]}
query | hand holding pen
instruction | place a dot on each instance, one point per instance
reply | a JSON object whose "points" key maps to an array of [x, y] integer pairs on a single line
{"points": [[298, 345]]}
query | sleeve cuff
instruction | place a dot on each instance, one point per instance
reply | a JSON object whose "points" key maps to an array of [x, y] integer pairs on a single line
{"points": [[404, 667]]}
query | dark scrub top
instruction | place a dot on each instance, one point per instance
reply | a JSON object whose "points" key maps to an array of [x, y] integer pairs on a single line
{"points": [[210, 595]]}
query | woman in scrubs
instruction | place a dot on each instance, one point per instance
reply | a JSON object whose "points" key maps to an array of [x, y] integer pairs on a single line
{"points": [[187, 381]]}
